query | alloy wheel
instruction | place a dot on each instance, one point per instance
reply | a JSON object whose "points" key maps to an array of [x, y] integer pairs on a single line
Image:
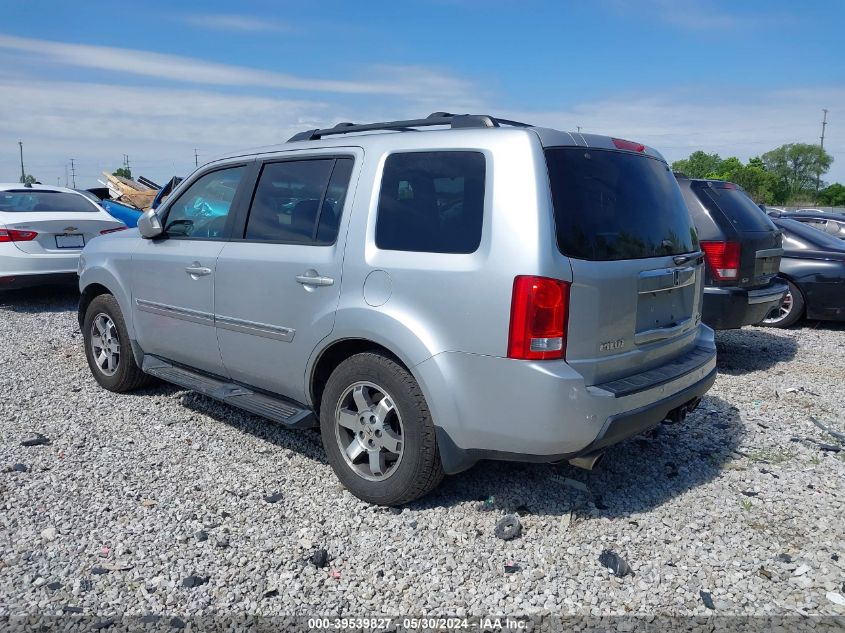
{"points": [[369, 431], [105, 344], [783, 312]]}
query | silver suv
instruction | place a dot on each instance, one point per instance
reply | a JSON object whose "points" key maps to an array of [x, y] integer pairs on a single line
{"points": [[428, 297]]}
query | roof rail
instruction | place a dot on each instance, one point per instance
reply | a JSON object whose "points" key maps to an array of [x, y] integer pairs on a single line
{"points": [[436, 118]]}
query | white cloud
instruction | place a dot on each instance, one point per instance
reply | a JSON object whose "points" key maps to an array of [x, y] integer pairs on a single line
{"points": [[235, 22], [731, 124], [394, 81], [159, 125]]}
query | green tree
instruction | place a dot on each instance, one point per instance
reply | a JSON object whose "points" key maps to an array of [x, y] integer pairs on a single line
{"points": [[796, 166], [833, 195], [123, 172], [753, 177], [698, 165], [29, 180]]}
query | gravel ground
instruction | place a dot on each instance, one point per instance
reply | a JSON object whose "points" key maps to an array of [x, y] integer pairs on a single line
{"points": [[137, 496]]}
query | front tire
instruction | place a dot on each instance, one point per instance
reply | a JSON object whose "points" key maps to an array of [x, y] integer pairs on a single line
{"points": [[108, 349], [377, 431], [791, 310]]}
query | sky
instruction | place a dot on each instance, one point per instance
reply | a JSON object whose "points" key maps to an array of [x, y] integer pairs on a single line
{"points": [[157, 81]]}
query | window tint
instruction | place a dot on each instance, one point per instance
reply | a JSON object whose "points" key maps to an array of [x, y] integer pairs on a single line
{"points": [[335, 199], [737, 206], [292, 197], [30, 200], [431, 202], [201, 211], [615, 205]]}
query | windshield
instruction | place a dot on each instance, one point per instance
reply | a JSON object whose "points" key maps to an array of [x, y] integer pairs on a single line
{"points": [[616, 205], [33, 200]]}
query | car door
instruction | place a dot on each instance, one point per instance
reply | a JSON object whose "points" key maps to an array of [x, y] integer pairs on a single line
{"points": [[173, 276], [277, 288]]}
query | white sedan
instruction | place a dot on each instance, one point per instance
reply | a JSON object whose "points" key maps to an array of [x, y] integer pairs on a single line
{"points": [[42, 232]]}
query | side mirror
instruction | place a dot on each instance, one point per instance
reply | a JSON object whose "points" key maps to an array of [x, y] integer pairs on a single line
{"points": [[149, 225]]}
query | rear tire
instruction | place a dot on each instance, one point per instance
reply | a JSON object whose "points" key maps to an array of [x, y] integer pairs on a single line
{"points": [[108, 349], [791, 310], [377, 431]]}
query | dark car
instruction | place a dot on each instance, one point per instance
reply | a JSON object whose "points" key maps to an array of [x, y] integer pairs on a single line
{"points": [[827, 221], [742, 251], [813, 265]]}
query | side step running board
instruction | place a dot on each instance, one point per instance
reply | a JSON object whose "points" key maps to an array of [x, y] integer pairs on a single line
{"points": [[275, 408]]}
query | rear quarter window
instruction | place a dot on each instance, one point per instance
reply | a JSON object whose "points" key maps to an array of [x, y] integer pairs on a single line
{"points": [[612, 205], [431, 202]]}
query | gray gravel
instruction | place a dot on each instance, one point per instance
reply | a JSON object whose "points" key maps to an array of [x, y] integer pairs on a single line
{"points": [[155, 502]]}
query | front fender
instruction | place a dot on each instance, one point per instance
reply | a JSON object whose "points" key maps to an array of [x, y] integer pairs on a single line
{"points": [[92, 276]]}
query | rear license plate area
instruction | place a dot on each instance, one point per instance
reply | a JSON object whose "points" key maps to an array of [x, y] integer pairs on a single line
{"points": [[70, 240], [767, 266]]}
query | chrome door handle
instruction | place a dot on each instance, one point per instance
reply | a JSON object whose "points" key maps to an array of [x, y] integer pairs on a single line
{"points": [[308, 280], [195, 270]]}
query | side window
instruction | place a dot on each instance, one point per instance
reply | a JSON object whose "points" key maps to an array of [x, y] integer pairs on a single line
{"points": [[431, 202], [201, 211], [299, 201]]}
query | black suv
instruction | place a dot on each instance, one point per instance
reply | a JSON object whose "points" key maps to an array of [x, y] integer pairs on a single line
{"points": [[742, 251]]}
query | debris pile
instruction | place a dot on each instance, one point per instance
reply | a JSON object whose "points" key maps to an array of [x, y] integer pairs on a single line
{"points": [[136, 193]]}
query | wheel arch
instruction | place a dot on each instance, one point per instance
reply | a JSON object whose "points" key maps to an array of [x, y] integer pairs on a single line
{"points": [[88, 294], [333, 354]]}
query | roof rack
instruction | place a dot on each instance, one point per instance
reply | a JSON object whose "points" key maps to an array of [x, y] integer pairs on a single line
{"points": [[436, 118]]}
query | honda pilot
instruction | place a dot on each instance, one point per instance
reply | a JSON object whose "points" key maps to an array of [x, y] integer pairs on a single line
{"points": [[429, 293]]}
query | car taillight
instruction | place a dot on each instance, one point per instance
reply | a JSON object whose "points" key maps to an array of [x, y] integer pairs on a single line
{"points": [[539, 314], [11, 235], [115, 230], [723, 258]]}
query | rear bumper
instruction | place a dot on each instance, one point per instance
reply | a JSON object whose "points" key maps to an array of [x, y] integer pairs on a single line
{"points": [[728, 308], [16, 282], [15, 262], [497, 408]]}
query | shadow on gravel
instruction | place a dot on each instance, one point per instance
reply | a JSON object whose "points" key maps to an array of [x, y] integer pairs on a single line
{"points": [[752, 349], [636, 476], [306, 442], [59, 298]]}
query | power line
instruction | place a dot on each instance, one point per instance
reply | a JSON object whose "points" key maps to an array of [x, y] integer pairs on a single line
{"points": [[73, 172]]}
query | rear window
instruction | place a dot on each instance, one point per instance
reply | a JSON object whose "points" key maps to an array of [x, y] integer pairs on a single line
{"points": [[736, 205], [613, 205], [28, 201]]}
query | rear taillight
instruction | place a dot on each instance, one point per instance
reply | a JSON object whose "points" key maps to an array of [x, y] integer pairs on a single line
{"points": [[11, 235], [539, 314], [115, 230], [723, 258], [631, 146]]}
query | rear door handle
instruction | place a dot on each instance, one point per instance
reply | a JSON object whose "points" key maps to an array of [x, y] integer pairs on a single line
{"points": [[308, 280], [195, 270]]}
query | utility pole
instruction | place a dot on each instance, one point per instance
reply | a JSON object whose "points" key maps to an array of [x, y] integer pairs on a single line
{"points": [[65, 174], [23, 173], [126, 161], [579, 128], [196, 158], [73, 172], [819, 173]]}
